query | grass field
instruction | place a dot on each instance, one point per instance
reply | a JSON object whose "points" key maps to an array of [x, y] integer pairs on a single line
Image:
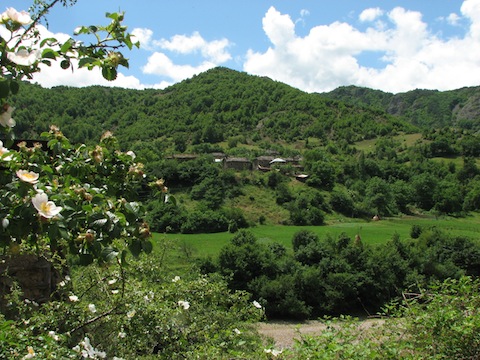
{"points": [[372, 232]]}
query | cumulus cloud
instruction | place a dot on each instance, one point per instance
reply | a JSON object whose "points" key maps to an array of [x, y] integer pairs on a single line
{"points": [[370, 14], [215, 51], [408, 55], [144, 36], [160, 64]]}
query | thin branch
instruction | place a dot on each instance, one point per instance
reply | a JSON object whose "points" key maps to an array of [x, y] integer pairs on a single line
{"points": [[92, 320], [41, 14]]}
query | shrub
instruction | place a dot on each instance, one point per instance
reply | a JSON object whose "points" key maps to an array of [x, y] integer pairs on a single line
{"points": [[139, 311], [303, 238], [204, 221]]}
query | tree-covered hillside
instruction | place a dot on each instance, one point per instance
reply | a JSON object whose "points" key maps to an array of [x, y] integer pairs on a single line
{"points": [[424, 108], [208, 108], [354, 158]]}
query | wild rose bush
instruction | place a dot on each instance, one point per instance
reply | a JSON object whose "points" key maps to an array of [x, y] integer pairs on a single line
{"points": [[56, 198], [72, 199], [140, 311]]}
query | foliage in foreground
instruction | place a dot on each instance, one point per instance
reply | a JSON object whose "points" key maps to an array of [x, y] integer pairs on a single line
{"points": [[140, 311], [442, 322], [145, 311]]}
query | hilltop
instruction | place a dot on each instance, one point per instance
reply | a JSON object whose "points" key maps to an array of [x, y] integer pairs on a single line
{"points": [[210, 107]]}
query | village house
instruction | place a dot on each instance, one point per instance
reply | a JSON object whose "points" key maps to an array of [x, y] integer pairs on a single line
{"points": [[237, 163]]}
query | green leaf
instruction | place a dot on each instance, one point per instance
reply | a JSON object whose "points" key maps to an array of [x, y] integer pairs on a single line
{"points": [[48, 41], [124, 62], [65, 64], [172, 199], [135, 248], [109, 253], [99, 223], [82, 30], [4, 89], [67, 45], [14, 87], [109, 73], [86, 61], [123, 258], [133, 208], [87, 208], [49, 54], [147, 246]]}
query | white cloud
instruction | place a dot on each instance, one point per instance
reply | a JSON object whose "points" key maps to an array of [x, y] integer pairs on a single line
{"points": [[144, 36], [371, 14], [409, 55], [215, 51], [471, 10], [161, 65], [54, 75], [304, 12], [279, 28], [453, 19]]}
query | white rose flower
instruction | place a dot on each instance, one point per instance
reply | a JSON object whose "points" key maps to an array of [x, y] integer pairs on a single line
{"points": [[21, 17], [257, 304], [6, 117], [184, 304], [45, 208], [24, 57], [4, 151], [28, 176]]}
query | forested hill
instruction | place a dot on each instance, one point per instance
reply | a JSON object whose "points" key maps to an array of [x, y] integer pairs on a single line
{"points": [[208, 108], [424, 108]]}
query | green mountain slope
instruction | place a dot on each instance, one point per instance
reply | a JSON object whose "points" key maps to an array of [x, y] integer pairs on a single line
{"points": [[208, 108], [424, 108]]}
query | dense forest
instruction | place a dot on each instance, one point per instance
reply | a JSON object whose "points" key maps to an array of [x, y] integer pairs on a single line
{"points": [[425, 108], [360, 152]]}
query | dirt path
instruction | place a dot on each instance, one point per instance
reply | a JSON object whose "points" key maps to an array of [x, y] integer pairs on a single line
{"points": [[284, 332]]}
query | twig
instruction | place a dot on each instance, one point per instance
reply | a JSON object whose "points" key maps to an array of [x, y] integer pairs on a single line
{"points": [[92, 320]]}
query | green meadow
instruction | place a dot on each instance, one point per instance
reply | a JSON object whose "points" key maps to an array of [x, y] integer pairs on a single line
{"points": [[370, 232]]}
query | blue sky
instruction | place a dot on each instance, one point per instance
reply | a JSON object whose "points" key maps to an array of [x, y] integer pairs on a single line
{"points": [[313, 45]]}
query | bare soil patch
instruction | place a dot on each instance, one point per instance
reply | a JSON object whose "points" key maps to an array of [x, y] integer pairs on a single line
{"points": [[284, 333]]}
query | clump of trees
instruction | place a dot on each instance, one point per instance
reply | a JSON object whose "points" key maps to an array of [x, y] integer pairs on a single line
{"points": [[341, 275]]}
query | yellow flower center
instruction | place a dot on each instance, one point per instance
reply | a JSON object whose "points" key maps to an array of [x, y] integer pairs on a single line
{"points": [[29, 176], [45, 207]]}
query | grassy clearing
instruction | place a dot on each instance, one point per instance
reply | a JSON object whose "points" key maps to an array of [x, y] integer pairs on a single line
{"points": [[257, 202], [372, 232], [407, 140]]}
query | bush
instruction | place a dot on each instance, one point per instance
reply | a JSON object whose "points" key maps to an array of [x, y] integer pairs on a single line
{"points": [[204, 221], [140, 311], [303, 238]]}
